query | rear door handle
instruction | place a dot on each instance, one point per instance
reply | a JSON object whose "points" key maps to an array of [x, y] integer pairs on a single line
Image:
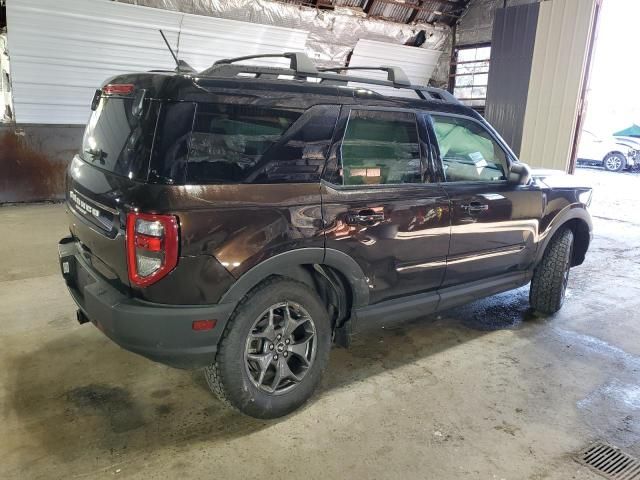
{"points": [[475, 207], [365, 217]]}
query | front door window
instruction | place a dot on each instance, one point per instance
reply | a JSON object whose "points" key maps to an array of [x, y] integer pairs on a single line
{"points": [[468, 152]]}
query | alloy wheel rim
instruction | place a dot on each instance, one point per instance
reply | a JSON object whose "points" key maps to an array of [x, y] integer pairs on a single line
{"points": [[280, 348], [613, 163]]}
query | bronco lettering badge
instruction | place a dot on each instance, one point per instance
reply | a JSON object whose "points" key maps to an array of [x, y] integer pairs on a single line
{"points": [[83, 206]]}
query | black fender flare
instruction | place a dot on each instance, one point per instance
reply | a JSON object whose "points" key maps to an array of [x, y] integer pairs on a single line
{"points": [[303, 256], [568, 213]]}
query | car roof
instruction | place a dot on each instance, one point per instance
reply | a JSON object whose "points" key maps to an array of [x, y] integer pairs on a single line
{"points": [[303, 84]]}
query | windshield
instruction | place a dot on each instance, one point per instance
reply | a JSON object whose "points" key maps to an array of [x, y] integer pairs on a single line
{"points": [[118, 136]]}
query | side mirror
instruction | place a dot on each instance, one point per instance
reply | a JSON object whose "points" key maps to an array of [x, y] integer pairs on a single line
{"points": [[519, 173]]}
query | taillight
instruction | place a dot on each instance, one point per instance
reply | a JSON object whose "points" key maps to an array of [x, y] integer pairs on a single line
{"points": [[118, 89], [152, 247]]}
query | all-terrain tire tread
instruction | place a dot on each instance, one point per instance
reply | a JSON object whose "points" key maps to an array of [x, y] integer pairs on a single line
{"points": [[212, 372], [545, 295]]}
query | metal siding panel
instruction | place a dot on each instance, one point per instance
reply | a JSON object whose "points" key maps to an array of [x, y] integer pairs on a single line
{"points": [[417, 63], [204, 40], [557, 73], [62, 51], [512, 44], [348, 3]]}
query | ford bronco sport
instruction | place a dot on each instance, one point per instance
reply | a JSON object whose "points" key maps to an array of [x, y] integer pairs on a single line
{"points": [[244, 218]]}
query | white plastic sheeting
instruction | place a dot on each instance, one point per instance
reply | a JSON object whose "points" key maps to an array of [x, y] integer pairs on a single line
{"points": [[417, 63], [62, 51], [332, 33]]}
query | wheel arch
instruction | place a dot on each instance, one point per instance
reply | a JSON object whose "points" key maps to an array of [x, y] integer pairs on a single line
{"points": [[309, 266], [579, 221], [613, 152]]}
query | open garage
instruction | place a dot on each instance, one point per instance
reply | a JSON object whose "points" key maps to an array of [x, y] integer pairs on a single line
{"points": [[398, 241]]}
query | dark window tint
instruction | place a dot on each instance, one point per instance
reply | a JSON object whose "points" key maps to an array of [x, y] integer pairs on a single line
{"points": [[380, 147], [299, 156], [229, 141], [169, 163], [119, 135], [468, 151]]}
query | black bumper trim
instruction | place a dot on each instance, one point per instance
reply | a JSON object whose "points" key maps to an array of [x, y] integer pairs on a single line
{"points": [[162, 333]]}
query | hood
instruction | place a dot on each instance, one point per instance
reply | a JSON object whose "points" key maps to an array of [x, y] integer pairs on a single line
{"points": [[630, 142], [613, 143], [558, 179]]}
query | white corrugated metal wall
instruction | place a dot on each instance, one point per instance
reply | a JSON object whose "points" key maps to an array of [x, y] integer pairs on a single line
{"points": [[62, 51], [557, 75], [5, 84]]}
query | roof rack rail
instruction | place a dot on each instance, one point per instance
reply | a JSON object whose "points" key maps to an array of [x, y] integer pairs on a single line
{"points": [[302, 66], [299, 62], [395, 75]]}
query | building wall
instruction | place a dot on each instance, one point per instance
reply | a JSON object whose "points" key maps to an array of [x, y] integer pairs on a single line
{"points": [[476, 26], [33, 159], [510, 71], [557, 75], [81, 44]]}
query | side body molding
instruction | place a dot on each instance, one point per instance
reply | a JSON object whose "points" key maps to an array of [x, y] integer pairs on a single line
{"points": [[279, 264]]}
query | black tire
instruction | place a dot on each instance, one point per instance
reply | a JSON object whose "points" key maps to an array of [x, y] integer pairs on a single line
{"points": [[614, 162], [232, 376], [549, 282]]}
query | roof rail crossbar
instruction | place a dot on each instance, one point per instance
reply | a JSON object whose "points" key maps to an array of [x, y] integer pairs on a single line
{"points": [[299, 62], [395, 75]]}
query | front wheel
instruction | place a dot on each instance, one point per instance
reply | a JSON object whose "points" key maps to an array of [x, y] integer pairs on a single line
{"points": [[614, 162], [550, 278], [274, 350]]}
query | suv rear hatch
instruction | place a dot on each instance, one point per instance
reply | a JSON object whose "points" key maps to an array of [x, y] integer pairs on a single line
{"points": [[114, 159]]}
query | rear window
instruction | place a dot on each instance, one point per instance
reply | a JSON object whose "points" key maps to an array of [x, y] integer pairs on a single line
{"points": [[118, 136], [229, 141]]}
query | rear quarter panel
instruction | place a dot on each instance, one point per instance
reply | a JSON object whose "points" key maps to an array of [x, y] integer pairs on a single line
{"points": [[225, 230], [269, 219]]}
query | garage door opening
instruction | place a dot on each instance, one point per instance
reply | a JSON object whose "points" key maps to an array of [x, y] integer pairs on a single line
{"points": [[610, 131]]}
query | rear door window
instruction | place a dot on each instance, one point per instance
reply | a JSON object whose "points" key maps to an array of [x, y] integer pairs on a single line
{"points": [[229, 141], [380, 147]]}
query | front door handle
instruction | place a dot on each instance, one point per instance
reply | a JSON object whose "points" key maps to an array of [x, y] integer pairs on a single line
{"points": [[475, 207], [365, 217]]}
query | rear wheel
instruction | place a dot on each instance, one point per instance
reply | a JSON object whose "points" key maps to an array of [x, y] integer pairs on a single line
{"points": [[273, 351], [614, 162], [550, 278]]}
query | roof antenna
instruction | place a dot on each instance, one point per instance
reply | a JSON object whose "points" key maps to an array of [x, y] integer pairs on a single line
{"points": [[181, 65]]}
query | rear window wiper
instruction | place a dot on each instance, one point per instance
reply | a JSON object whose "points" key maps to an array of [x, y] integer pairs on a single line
{"points": [[96, 154]]}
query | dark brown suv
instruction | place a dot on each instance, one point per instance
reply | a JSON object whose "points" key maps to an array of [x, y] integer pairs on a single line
{"points": [[242, 219]]}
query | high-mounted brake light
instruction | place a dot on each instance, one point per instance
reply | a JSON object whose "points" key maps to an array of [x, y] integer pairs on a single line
{"points": [[118, 89], [152, 247]]}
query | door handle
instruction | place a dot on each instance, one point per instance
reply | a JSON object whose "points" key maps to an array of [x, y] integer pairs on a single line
{"points": [[475, 207], [365, 217]]}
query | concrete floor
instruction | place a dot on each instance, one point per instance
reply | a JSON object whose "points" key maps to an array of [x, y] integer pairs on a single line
{"points": [[486, 391]]}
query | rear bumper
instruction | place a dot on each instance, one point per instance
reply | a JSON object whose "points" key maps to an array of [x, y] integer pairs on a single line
{"points": [[162, 333]]}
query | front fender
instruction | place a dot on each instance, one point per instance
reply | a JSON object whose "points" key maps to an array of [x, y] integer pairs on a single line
{"points": [[573, 211]]}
